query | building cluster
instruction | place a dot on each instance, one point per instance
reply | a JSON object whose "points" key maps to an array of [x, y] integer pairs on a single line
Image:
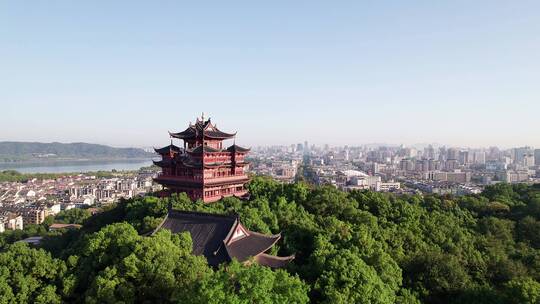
{"points": [[281, 163], [458, 171], [11, 221], [444, 170], [317, 165], [207, 170], [32, 201]]}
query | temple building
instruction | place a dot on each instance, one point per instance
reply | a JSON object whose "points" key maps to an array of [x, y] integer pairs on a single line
{"points": [[222, 238], [203, 168]]}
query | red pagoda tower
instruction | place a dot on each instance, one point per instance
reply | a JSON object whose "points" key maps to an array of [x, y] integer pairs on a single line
{"points": [[203, 169]]}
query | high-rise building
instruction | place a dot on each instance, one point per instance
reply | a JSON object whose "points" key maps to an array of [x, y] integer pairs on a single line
{"points": [[434, 165], [537, 157], [293, 148], [528, 160], [451, 164], [515, 176], [406, 164], [452, 153], [464, 157], [458, 177], [442, 154], [479, 157], [429, 152], [520, 153], [203, 169], [422, 165]]}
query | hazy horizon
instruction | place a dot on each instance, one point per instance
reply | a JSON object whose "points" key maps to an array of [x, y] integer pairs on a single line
{"points": [[318, 145], [124, 73]]}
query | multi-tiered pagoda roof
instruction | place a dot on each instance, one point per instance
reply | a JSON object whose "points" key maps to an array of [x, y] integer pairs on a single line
{"points": [[203, 168], [202, 127], [168, 149]]}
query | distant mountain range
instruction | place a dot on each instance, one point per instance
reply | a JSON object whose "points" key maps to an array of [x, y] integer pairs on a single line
{"points": [[35, 151]]}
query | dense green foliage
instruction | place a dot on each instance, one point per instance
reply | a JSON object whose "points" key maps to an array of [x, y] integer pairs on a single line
{"points": [[358, 247], [11, 236], [72, 216]]}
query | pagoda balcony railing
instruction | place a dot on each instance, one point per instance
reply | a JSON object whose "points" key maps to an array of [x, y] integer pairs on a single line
{"points": [[179, 178], [210, 180], [239, 177], [226, 160], [220, 195]]}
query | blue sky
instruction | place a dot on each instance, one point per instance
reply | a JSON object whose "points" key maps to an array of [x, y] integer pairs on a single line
{"points": [[463, 73]]}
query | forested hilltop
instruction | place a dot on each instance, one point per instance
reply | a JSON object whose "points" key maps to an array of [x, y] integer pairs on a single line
{"points": [[34, 151], [358, 247]]}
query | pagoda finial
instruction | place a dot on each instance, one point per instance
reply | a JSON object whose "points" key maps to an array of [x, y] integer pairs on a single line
{"points": [[202, 116]]}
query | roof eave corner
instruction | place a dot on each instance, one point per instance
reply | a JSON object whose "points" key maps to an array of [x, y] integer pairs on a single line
{"points": [[273, 261], [160, 224], [227, 240]]}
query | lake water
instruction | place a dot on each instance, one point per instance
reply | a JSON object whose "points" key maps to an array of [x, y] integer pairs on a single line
{"points": [[76, 166]]}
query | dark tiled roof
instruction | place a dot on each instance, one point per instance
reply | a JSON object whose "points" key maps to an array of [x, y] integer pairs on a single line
{"points": [[200, 148], [216, 165], [273, 261], [165, 163], [235, 148], [211, 233], [168, 149], [196, 131], [191, 162], [251, 245], [207, 232], [218, 134]]}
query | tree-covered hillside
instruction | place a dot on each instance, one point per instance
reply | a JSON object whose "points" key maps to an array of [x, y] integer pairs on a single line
{"points": [[358, 247], [17, 151]]}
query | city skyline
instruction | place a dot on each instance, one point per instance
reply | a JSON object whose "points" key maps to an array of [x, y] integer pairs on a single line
{"points": [[459, 74]]}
